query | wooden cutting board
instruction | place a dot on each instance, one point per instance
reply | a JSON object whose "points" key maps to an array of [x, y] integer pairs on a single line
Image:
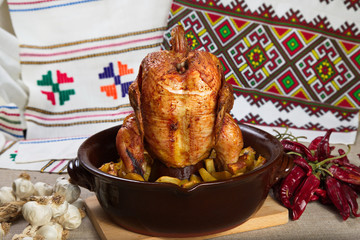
{"points": [[269, 215]]}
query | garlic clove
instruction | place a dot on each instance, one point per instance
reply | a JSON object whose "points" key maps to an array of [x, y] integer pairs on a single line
{"points": [[58, 205], [23, 187], [71, 219], [37, 213], [48, 232], [64, 187], [43, 189], [52, 231], [7, 195]]}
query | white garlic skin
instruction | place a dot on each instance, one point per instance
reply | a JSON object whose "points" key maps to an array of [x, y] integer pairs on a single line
{"points": [[59, 209], [23, 188], [70, 191], [7, 195], [36, 214], [71, 219], [43, 189], [50, 231]]}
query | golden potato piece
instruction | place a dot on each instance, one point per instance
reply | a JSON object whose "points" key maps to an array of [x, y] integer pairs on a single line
{"points": [[260, 161], [134, 176], [209, 165], [147, 172], [238, 167], [112, 168], [206, 176], [222, 175], [105, 167], [195, 178], [167, 179], [248, 155], [189, 184]]}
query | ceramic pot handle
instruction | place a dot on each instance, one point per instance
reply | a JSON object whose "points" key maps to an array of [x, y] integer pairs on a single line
{"points": [[79, 175], [287, 163]]}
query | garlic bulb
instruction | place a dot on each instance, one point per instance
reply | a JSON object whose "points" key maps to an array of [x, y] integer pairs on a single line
{"points": [[7, 195], [23, 187], [38, 212], [42, 189], [58, 205], [52, 231], [70, 191], [71, 219]]}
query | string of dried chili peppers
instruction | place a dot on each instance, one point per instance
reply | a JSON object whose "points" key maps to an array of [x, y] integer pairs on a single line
{"points": [[318, 175]]}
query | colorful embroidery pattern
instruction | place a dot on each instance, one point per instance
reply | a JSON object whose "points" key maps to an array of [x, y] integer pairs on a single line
{"points": [[10, 121], [354, 4], [92, 47], [111, 90], [288, 64], [63, 95], [13, 156], [266, 14], [282, 60], [42, 5]]}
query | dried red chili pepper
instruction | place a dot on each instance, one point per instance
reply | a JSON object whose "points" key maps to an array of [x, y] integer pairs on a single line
{"points": [[355, 187], [351, 197], [342, 185], [348, 166], [337, 197], [321, 192], [290, 184], [301, 162], [303, 196], [314, 143], [323, 149], [291, 146], [344, 175], [314, 197], [345, 158]]}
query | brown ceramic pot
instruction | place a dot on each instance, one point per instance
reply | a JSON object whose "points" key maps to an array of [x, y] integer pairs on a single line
{"points": [[162, 209]]}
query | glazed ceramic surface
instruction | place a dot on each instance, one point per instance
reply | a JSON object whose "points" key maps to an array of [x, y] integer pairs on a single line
{"points": [[162, 209]]}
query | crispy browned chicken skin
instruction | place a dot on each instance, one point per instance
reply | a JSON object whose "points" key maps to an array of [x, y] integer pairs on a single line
{"points": [[182, 104]]}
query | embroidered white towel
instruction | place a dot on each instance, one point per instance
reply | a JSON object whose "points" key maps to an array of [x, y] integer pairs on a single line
{"points": [[9, 155], [78, 58], [13, 95], [50, 148]]}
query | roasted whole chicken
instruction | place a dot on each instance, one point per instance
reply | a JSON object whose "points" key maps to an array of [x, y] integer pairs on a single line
{"points": [[181, 108]]}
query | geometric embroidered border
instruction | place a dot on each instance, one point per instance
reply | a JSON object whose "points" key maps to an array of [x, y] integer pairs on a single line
{"points": [[11, 122], [272, 56], [266, 109]]}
